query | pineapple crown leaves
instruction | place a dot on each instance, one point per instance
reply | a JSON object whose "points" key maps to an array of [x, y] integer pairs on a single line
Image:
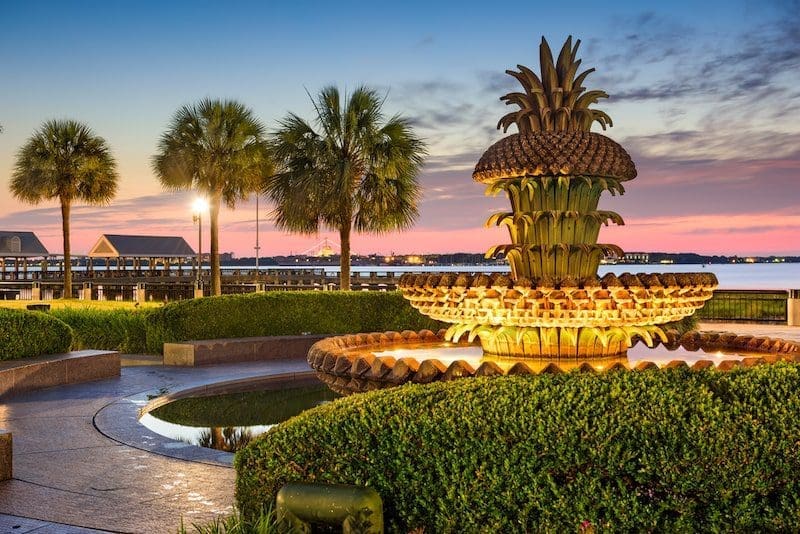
{"points": [[557, 101]]}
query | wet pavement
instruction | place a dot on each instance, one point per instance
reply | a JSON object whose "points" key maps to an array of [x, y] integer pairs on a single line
{"points": [[82, 462], [80, 457]]}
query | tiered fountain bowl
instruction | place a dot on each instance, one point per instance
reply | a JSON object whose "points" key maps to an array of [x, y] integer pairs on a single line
{"points": [[364, 362], [552, 312]]}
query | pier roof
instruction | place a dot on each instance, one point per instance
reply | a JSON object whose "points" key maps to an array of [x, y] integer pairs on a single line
{"points": [[15, 244], [140, 246]]}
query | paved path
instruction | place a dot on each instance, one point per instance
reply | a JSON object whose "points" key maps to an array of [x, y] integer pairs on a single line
{"points": [[68, 470], [81, 460]]}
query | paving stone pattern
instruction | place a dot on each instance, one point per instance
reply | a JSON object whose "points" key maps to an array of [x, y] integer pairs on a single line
{"points": [[68, 471]]}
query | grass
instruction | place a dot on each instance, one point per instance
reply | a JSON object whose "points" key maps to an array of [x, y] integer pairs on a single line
{"points": [[59, 304], [263, 523]]}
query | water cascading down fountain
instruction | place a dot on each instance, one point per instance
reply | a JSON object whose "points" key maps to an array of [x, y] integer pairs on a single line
{"points": [[553, 306]]}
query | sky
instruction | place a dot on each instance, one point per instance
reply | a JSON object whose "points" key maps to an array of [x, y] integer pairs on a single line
{"points": [[704, 95]]}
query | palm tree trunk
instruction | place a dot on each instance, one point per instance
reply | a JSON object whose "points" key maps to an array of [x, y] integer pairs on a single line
{"points": [[216, 278], [217, 438], [344, 262], [65, 207]]}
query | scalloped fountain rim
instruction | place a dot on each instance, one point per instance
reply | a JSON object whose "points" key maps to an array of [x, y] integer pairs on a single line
{"points": [[624, 300], [348, 363]]}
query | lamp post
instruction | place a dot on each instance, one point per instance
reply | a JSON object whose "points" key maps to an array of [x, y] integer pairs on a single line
{"points": [[257, 247], [198, 207]]}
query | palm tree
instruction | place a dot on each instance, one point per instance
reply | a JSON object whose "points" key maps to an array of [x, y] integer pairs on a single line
{"points": [[216, 147], [65, 160], [356, 172]]}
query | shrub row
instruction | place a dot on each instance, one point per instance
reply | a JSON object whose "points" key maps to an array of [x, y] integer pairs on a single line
{"points": [[282, 313], [24, 334], [666, 451], [115, 329], [260, 314]]}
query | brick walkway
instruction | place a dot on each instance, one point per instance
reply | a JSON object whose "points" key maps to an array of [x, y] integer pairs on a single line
{"points": [[68, 470]]}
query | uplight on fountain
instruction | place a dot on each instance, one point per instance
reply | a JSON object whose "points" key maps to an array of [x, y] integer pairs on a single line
{"points": [[552, 307]]}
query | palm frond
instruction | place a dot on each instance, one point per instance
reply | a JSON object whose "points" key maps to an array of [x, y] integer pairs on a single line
{"points": [[353, 169], [66, 160], [214, 146]]}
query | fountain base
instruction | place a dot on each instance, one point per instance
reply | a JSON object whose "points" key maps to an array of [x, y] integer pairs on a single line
{"points": [[359, 362]]}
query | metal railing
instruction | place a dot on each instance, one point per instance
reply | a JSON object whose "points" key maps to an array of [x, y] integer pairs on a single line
{"points": [[745, 305], [767, 306]]}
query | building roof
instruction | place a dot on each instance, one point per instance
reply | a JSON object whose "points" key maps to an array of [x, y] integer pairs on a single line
{"points": [[140, 246], [20, 245]]}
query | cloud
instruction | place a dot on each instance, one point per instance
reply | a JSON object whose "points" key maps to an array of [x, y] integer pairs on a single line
{"points": [[687, 63], [716, 142], [451, 115], [643, 38], [496, 84], [663, 91], [425, 42]]}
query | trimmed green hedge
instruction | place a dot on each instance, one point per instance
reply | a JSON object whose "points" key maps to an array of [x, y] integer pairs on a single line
{"points": [[121, 330], [24, 334], [665, 451], [282, 313]]}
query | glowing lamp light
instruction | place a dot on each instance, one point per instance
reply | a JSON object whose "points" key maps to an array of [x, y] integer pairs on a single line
{"points": [[200, 205]]}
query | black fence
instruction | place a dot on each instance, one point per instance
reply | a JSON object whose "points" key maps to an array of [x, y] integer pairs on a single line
{"points": [[766, 306], [748, 306]]}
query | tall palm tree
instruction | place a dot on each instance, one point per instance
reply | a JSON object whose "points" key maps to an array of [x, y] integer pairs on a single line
{"points": [[356, 172], [65, 160], [216, 147]]}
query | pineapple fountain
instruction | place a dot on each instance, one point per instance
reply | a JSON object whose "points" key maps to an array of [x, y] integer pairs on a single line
{"points": [[552, 309]]}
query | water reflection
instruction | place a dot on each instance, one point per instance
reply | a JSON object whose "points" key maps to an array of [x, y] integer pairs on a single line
{"points": [[229, 438], [229, 422]]}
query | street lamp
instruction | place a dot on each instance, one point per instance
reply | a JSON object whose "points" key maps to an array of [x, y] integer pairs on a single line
{"points": [[199, 206], [257, 247]]}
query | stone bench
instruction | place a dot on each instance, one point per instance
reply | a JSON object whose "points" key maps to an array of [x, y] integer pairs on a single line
{"points": [[247, 349], [56, 370]]}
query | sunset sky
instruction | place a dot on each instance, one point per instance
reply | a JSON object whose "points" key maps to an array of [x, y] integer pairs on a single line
{"points": [[704, 95]]}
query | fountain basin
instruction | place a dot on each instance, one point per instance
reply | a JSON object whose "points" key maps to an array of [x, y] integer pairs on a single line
{"points": [[364, 362], [593, 317], [634, 300]]}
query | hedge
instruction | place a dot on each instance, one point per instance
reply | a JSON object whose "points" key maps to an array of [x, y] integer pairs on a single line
{"points": [[24, 334], [663, 450], [120, 329], [282, 313]]}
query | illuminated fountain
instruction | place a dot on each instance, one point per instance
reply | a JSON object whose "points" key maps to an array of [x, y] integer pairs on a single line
{"points": [[552, 312]]}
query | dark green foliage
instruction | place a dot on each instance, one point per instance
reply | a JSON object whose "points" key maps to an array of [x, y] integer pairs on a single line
{"points": [[278, 313], [664, 451], [121, 330], [24, 334], [686, 324]]}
